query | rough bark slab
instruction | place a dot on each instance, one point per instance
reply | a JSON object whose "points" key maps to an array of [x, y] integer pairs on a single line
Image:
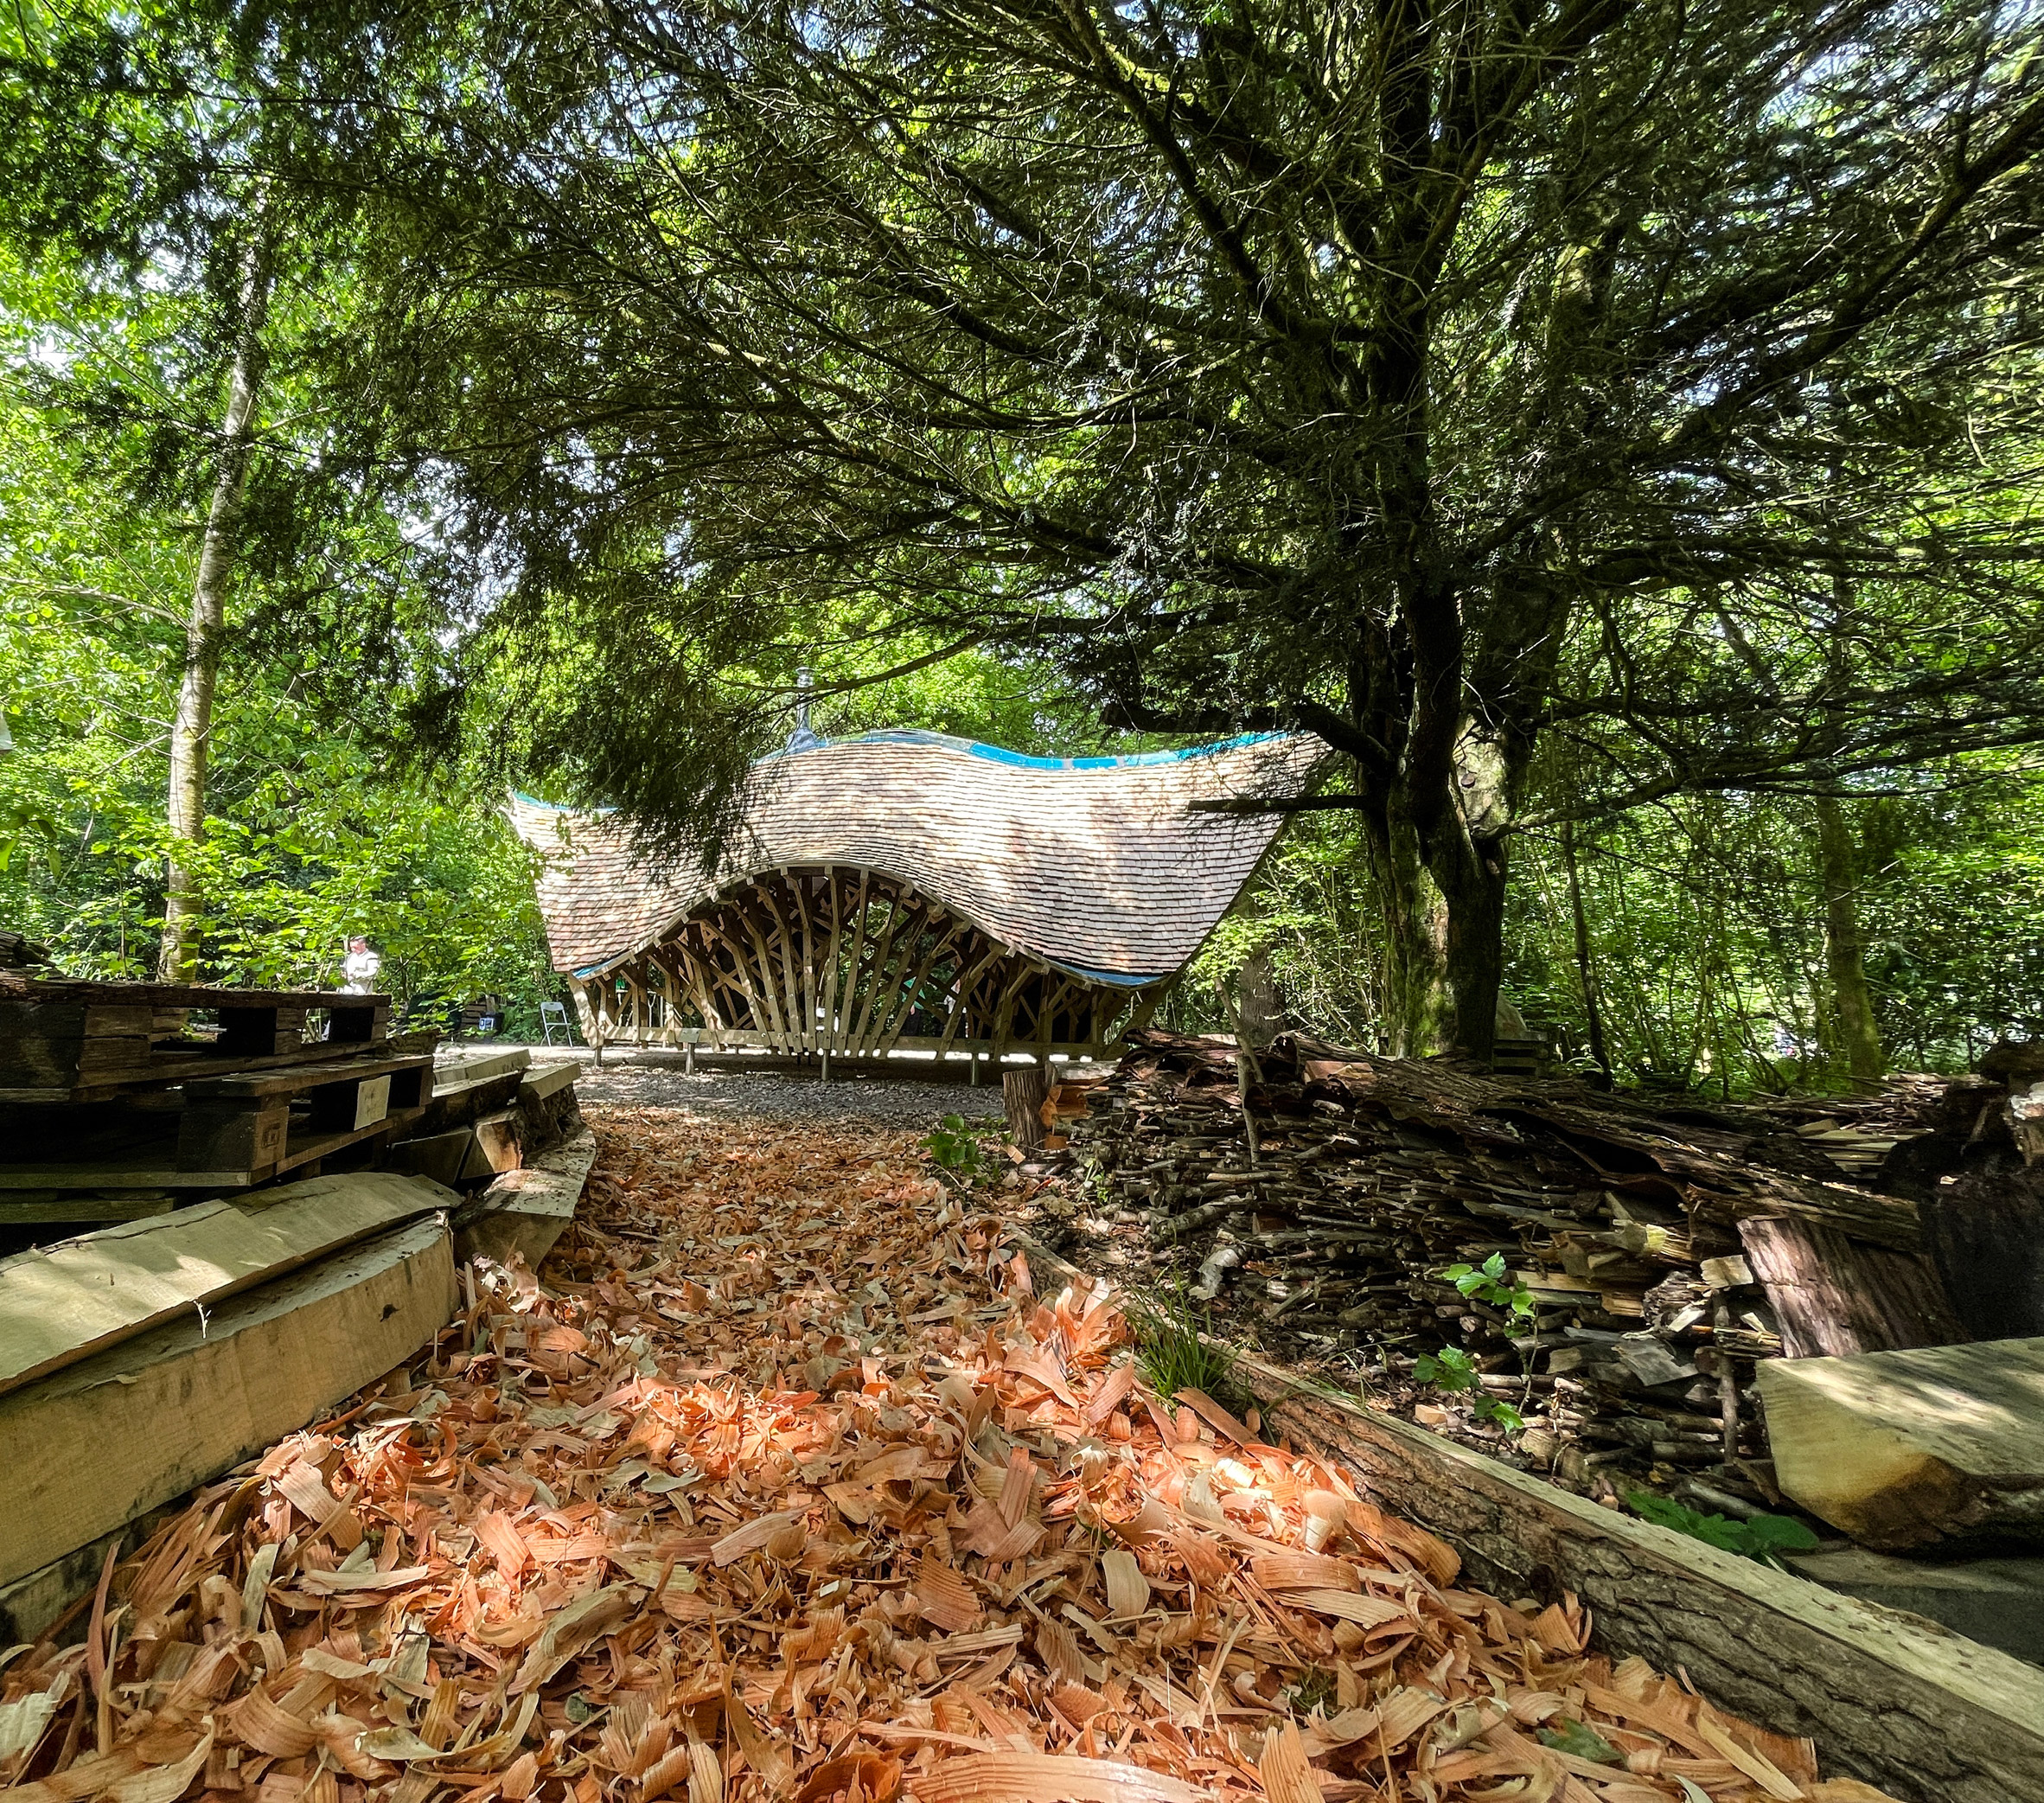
{"points": [[1896, 1702], [91, 1447], [1022, 1095], [60, 1304], [1833, 1297], [1910, 1449]]}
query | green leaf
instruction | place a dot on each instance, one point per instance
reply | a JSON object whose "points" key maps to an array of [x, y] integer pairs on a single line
{"points": [[1581, 1741]]}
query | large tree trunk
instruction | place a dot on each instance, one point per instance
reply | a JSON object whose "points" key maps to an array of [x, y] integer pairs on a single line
{"points": [[1856, 1038], [1473, 954], [1413, 1019], [191, 730]]}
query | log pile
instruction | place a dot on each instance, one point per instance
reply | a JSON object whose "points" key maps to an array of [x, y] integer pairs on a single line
{"points": [[1664, 1251]]}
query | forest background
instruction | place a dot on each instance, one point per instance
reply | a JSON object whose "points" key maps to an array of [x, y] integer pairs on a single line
{"points": [[395, 652]]}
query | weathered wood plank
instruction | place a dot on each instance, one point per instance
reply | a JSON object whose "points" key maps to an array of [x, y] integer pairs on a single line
{"points": [[527, 1211], [189, 1398], [61, 1304], [1911, 1447]]}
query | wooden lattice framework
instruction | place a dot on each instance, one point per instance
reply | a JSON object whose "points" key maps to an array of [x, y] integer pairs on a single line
{"points": [[839, 961]]}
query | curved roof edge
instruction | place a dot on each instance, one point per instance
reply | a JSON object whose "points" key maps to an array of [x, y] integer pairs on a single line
{"points": [[1028, 760], [975, 747]]}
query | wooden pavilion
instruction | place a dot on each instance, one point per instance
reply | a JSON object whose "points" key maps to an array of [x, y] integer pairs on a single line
{"points": [[907, 891]]}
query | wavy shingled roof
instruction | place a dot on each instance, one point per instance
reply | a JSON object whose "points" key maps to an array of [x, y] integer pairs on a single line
{"points": [[1094, 865]]}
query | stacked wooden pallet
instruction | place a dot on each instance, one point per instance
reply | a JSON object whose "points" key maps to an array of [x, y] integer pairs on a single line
{"points": [[1663, 1254], [118, 1099]]}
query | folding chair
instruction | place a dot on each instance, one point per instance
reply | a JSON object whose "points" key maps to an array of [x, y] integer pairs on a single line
{"points": [[553, 1014]]}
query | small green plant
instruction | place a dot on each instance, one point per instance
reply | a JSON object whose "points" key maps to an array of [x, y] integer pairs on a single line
{"points": [[1453, 1371], [1761, 1537], [956, 1154], [1315, 1689], [1489, 1282], [1170, 1354]]}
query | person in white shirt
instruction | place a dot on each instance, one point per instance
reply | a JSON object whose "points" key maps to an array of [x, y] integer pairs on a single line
{"points": [[360, 968]]}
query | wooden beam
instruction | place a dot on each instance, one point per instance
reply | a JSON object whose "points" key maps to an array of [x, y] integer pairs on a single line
{"points": [[61, 1304], [526, 1210], [892, 1029], [849, 992], [833, 889], [800, 886], [189, 1398], [968, 980]]}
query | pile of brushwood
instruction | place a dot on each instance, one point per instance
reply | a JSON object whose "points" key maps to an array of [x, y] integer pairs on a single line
{"points": [[1578, 1281]]}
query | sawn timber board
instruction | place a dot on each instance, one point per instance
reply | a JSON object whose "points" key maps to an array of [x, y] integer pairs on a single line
{"points": [[91, 1447], [61, 1304]]}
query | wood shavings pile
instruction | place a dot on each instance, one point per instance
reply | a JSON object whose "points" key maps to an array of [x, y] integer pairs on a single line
{"points": [[764, 1492]]}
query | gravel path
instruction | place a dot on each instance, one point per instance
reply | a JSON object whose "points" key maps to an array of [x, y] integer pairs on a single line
{"points": [[771, 1096]]}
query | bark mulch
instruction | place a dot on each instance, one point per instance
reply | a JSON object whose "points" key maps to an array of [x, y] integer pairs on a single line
{"points": [[780, 1480]]}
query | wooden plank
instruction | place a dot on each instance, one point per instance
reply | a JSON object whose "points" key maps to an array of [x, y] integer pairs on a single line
{"points": [[189, 1062], [52, 1208], [456, 1104], [1835, 1297], [441, 1156], [188, 1400], [46, 991], [61, 1304], [1923, 1714], [453, 1069], [542, 1080], [310, 1147], [1909, 1448], [296, 1078], [527, 1211], [497, 1148]]}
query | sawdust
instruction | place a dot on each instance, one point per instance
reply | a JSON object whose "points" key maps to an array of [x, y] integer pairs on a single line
{"points": [[783, 1483]]}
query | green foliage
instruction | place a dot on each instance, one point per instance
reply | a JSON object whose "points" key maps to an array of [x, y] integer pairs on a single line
{"points": [[1170, 1352], [320, 824], [1453, 1372], [1451, 1368], [1489, 1282], [1763, 1537], [1314, 1688], [957, 1154]]}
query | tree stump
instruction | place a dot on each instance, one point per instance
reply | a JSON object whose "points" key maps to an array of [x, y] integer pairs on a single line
{"points": [[1022, 1093]]}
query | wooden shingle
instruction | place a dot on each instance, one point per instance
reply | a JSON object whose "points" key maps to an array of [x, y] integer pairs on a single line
{"points": [[1097, 866]]}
